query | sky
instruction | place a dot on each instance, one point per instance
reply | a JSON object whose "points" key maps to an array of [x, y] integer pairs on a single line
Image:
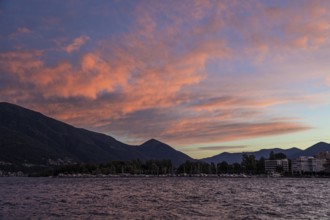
{"points": [[204, 76]]}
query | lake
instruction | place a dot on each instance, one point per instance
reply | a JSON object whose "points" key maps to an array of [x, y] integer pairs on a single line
{"points": [[164, 198]]}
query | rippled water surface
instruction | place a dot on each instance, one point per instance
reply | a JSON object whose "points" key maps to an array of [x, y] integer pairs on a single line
{"points": [[164, 198]]}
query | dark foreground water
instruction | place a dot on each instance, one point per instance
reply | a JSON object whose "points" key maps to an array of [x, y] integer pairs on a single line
{"points": [[164, 198]]}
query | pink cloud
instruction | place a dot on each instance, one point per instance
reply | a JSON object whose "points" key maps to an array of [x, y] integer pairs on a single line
{"points": [[76, 44], [303, 27], [212, 104], [222, 148], [197, 132], [20, 32], [327, 81], [23, 30]]}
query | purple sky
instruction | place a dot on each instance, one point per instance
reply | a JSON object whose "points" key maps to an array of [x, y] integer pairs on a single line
{"points": [[203, 76]]}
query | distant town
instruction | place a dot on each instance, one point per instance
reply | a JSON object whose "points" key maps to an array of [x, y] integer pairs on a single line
{"points": [[301, 165], [276, 165]]}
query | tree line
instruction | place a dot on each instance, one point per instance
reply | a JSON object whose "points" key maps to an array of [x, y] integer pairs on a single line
{"points": [[249, 165], [133, 167]]}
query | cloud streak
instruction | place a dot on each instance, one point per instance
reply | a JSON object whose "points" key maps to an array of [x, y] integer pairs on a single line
{"points": [[221, 148], [76, 44], [192, 131]]}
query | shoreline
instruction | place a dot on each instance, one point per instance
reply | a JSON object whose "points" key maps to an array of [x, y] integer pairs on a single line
{"points": [[221, 176]]}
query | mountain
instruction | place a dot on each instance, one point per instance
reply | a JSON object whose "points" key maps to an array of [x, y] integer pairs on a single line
{"points": [[265, 152], [228, 157], [30, 137], [154, 149], [291, 153], [237, 157], [313, 150]]}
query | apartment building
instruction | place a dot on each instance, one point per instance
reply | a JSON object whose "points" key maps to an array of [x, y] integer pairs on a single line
{"points": [[271, 166], [308, 164]]}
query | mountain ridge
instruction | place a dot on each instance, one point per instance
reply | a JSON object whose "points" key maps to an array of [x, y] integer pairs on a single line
{"points": [[157, 150], [27, 136], [291, 153]]}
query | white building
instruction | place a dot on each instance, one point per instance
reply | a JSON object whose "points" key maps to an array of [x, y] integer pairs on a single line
{"points": [[272, 165], [308, 164]]}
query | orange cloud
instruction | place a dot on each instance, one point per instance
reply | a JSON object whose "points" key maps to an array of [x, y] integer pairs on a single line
{"points": [[141, 84], [20, 63]]}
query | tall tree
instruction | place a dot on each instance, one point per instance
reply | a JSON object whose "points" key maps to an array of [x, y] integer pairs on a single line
{"points": [[223, 167], [249, 164]]}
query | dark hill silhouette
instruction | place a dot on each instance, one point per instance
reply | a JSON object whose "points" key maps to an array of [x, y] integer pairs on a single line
{"points": [[237, 157], [291, 153], [313, 150], [27, 136], [157, 150]]}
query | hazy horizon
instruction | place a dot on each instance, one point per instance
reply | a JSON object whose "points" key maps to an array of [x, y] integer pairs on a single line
{"points": [[204, 77]]}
